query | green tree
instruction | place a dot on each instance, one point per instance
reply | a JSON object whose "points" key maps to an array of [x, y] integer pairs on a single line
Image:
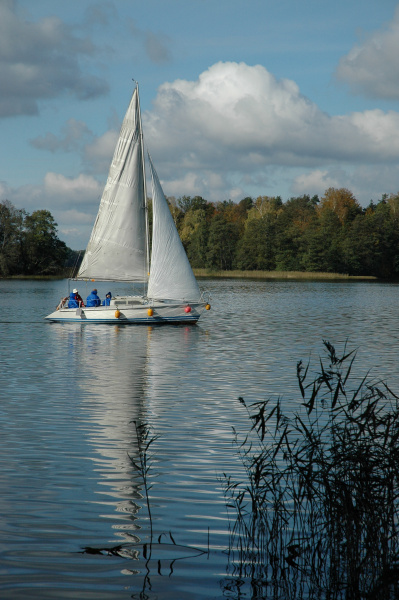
{"points": [[372, 244], [256, 248], [194, 228], [44, 252], [242, 209], [295, 222], [186, 203], [194, 235], [176, 211], [11, 233], [323, 248], [222, 241]]}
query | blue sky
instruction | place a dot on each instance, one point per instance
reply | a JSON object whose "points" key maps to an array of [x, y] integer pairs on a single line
{"points": [[239, 98]]}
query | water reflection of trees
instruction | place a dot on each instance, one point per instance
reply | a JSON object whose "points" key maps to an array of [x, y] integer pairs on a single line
{"points": [[318, 515]]}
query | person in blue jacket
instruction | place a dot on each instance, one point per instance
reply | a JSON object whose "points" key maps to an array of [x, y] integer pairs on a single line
{"points": [[75, 300], [93, 299], [107, 300], [72, 302]]}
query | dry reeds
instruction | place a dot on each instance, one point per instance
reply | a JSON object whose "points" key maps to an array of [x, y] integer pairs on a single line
{"points": [[318, 514], [304, 275]]}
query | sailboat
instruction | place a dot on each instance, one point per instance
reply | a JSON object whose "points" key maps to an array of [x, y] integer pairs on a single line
{"points": [[119, 246]]}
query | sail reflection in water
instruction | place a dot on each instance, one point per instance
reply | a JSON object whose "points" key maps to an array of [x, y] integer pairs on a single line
{"points": [[127, 376], [110, 367]]}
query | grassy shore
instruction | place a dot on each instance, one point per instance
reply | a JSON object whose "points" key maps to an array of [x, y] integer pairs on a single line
{"points": [[278, 275]]}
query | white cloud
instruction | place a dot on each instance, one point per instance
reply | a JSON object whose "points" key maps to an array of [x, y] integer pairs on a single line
{"points": [[372, 68], [73, 216], [81, 190], [317, 181], [367, 183], [238, 123], [98, 154]]}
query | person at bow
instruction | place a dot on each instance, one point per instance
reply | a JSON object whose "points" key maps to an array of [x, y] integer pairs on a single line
{"points": [[107, 300]]}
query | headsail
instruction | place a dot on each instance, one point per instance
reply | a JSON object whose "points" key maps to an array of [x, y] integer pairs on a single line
{"points": [[171, 276], [117, 246]]}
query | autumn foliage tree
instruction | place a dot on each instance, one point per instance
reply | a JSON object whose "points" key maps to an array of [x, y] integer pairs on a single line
{"points": [[330, 234]]}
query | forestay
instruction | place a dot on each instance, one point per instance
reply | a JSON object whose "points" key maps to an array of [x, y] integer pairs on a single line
{"points": [[171, 276], [117, 246]]}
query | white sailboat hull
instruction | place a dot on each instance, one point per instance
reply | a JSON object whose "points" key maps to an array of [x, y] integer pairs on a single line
{"points": [[132, 310]]}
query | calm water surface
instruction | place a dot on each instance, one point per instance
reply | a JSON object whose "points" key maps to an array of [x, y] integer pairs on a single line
{"points": [[69, 396]]}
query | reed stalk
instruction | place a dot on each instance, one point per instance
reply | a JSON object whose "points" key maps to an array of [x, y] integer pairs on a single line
{"points": [[143, 465], [318, 514]]}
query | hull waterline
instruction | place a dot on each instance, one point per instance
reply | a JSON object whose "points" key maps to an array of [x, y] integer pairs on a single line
{"points": [[146, 314]]}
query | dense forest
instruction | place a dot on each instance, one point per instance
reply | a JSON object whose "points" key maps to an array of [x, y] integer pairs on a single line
{"points": [[331, 234]]}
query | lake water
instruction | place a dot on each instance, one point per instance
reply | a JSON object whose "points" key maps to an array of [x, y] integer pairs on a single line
{"points": [[70, 394]]}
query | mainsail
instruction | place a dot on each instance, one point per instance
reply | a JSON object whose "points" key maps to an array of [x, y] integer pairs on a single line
{"points": [[171, 276], [117, 249]]}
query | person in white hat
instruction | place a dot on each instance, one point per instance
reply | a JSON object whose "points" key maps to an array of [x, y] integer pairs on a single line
{"points": [[75, 300]]}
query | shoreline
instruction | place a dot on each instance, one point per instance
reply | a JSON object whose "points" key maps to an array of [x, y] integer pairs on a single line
{"points": [[208, 274], [205, 273]]}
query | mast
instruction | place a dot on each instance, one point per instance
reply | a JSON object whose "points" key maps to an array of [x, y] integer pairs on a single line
{"points": [[147, 237]]}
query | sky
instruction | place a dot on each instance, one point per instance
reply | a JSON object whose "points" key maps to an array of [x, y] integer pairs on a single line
{"points": [[238, 97]]}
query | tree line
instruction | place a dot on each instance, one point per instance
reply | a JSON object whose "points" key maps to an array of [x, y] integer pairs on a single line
{"points": [[29, 243], [331, 234]]}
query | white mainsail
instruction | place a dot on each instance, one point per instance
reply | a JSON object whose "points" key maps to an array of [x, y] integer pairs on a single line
{"points": [[117, 249], [171, 276]]}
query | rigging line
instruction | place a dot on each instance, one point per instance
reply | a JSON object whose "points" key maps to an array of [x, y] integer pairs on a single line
{"points": [[75, 266]]}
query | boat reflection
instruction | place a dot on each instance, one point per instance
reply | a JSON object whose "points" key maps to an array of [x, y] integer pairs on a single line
{"points": [[108, 364], [120, 373]]}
